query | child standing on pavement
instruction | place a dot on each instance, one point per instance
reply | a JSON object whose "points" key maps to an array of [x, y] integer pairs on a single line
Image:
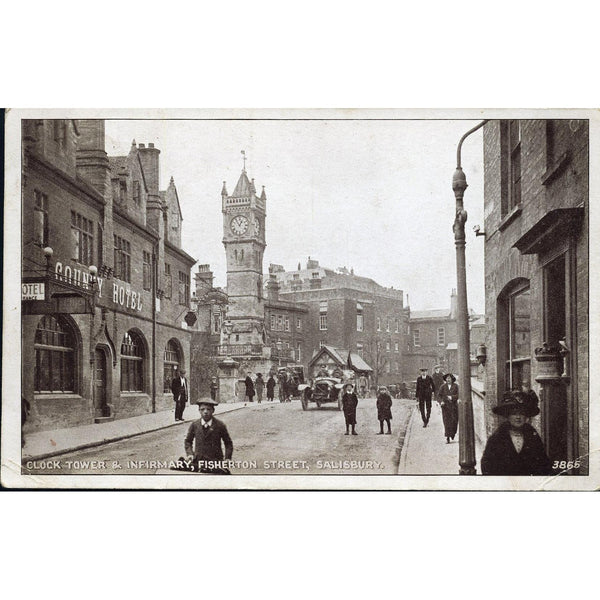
{"points": [[349, 404], [384, 409]]}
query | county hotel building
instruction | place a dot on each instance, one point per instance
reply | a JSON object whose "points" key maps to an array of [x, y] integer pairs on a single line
{"points": [[105, 283]]}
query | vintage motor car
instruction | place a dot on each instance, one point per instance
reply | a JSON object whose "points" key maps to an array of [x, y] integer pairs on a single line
{"points": [[322, 391]]}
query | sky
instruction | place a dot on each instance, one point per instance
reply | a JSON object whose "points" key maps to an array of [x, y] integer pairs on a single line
{"points": [[372, 195]]}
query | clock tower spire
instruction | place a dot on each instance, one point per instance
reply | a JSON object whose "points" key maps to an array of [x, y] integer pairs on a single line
{"points": [[244, 215]]}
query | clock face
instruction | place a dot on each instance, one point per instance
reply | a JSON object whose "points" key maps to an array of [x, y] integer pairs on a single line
{"points": [[256, 226], [239, 225]]}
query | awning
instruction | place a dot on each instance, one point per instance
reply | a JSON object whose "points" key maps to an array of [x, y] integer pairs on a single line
{"points": [[358, 364]]}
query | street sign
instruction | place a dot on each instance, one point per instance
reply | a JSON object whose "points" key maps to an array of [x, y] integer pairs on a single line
{"points": [[33, 291]]}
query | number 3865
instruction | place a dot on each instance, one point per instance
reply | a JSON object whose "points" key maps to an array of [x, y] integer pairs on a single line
{"points": [[566, 464]]}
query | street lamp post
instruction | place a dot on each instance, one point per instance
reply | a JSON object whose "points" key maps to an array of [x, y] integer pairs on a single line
{"points": [[466, 437]]}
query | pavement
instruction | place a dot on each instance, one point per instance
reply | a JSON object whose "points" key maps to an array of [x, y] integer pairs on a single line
{"points": [[46, 444], [425, 450]]}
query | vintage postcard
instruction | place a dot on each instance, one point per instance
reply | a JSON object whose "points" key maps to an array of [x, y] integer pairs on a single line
{"points": [[300, 299]]}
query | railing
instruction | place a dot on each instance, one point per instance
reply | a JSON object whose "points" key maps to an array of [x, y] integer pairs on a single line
{"points": [[284, 353]]}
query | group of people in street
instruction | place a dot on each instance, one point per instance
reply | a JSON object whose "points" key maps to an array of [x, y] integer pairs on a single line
{"points": [[445, 390], [256, 387], [515, 448], [383, 404]]}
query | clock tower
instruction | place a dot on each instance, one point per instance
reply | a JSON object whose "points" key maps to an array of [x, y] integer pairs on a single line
{"points": [[244, 214]]}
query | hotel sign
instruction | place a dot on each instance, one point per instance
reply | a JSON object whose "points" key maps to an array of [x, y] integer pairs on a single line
{"points": [[33, 291], [122, 295]]}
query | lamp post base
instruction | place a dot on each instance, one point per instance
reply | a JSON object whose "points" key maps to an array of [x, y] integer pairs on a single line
{"points": [[467, 471]]}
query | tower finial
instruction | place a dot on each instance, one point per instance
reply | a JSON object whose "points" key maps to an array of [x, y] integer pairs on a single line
{"points": [[244, 155]]}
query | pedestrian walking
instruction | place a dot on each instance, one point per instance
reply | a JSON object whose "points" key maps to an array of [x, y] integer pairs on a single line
{"points": [[362, 386], [249, 388], [349, 404], [271, 388], [448, 398], [179, 388], [384, 409], [423, 392], [291, 387], [214, 386], [259, 384], [516, 448], [438, 379], [205, 440], [282, 378]]}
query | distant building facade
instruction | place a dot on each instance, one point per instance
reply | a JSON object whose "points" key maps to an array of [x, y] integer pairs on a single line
{"points": [[347, 311], [537, 275], [432, 339], [103, 328]]}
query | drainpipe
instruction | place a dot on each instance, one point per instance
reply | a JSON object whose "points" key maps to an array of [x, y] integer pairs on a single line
{"points": [[154, 282]]}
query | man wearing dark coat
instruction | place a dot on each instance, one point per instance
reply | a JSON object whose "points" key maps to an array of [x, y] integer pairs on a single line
{"points": [[205, 440], [179, 387], [214, 386], [349, 404], [424, 391], [438, 379], [271, 388], [515, 448], [384, 409], [249, 388]]}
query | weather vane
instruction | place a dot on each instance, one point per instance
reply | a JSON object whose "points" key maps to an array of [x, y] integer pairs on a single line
{"points": [[244, 155]]}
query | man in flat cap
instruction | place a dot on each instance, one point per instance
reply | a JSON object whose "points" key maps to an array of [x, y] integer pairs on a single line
{"points": [[424, 391], [205, 440]]}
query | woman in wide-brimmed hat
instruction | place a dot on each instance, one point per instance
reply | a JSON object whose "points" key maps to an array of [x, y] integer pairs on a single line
{"points": [[516, 448], [448, 399]]}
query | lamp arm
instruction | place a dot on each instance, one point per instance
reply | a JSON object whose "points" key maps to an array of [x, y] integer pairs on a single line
{"points": [[463, 138]]}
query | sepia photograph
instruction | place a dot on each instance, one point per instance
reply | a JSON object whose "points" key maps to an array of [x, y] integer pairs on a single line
{"points": [[299, 299]]}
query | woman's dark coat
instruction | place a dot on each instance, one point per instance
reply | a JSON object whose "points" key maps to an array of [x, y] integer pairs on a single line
{"points": [[249, 387], [449, 408], [270, 387], [501, 458], [384, 407], [349, 404]]}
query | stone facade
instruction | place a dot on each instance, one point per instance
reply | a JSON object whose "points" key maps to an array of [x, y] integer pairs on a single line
{"points": [[536, 272], [101, 352]]}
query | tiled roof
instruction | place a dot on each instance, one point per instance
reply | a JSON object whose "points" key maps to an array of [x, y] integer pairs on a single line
{"points": [[116, 163]]}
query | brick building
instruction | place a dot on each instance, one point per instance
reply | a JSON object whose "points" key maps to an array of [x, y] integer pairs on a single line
{"points": [[100, 242], [536, 274], [432, 337], [347, 311]]}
